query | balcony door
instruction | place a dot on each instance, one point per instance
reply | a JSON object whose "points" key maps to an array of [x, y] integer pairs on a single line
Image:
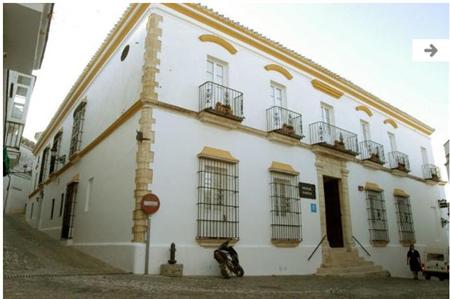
{"points": [[277, 93], [216, 73], [365, 130], [328, 131], [424, 155], [392, 142]]}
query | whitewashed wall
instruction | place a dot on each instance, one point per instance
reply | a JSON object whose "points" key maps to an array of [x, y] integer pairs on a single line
{"points": [[175, 181], [246, 73], [102, 227], [425, 211]]}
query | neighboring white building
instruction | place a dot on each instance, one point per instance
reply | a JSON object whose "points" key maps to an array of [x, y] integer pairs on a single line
{"points": [[17, 185], [222, 124], [25, 34]]}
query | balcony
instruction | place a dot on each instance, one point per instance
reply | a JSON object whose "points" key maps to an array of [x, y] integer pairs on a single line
{"points": [[13, 134], [399, 161], [221, 101], [372, 151], [284, 121], [431, 172], [327, 135]]}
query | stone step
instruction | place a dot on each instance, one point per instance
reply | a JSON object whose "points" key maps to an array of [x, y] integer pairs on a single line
{"points": [[332, 260], [352, 269], [343, 253], [374, 273], [349, 263]]}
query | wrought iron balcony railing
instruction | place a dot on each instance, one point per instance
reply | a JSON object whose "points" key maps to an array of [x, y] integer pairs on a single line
{"points": [[399, 161], [284, 121], [431, 172], [372, 151], [13, 134], [339, 139], [221, 100]]}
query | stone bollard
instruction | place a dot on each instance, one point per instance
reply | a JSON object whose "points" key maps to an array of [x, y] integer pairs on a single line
{"points": [[172, 269]]}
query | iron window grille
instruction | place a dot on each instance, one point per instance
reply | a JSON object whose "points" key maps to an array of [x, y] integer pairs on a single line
{"points": [[55, 152], [405, 219], [43, 170], [218, 200], [77, 128], [285, 202], [378, 226]]}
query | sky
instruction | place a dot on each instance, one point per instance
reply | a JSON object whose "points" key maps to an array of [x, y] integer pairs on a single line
{"points": [[369, 44]]}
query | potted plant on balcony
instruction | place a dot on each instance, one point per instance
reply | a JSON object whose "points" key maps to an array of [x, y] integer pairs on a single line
{"points": [[434, 175], [339, 143], [224, 108], [375, 156], [287, 129], [401, 165]]}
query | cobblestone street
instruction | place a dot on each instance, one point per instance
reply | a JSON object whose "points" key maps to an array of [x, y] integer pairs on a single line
{"points": [[37, 267]]}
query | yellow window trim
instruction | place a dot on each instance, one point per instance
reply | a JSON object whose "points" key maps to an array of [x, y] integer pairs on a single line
{"points": [[283, 168], [212, 19], [400, 193], [391, 122], [364, 109], [217, 40], [217, 154], [279, 69], [319, 85], [373, 187]]}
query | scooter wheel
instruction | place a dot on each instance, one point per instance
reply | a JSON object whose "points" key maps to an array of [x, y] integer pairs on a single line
{"points": [[239, 271], [225, 272]]}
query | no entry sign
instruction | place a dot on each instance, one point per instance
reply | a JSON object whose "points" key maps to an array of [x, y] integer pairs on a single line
{"points": [[150, 203]]}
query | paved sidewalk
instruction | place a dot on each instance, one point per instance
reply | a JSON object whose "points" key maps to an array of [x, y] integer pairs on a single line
{"points": [[37, 267], [27, 251]]}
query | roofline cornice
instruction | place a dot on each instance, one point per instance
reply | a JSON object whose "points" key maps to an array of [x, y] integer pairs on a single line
{"points": [[125, 24], [254, 39]]}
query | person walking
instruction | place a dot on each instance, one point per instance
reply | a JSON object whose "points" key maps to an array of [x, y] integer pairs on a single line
{"points": [[413, 260]]}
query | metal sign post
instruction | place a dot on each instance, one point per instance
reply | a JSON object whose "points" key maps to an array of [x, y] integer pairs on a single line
{"points": [[149, 205], [147, 245]]}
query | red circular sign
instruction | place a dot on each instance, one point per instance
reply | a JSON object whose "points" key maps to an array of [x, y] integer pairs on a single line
{"points": [[150, 203]]}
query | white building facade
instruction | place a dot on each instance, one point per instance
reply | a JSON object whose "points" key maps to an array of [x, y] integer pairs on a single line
{"points": [[229, 123], [17, 184]]}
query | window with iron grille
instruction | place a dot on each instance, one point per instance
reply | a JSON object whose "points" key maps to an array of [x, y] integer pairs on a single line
{"points": [[43, 171], [285, 201], [55, 152], [378, 226], [218, 200], [405, 219], [77, 128]]}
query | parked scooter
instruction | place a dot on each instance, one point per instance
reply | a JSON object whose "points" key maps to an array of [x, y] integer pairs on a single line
{"points": [[228, 261]]}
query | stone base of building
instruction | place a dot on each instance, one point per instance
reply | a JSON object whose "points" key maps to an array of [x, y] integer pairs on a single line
{"points": [[172, 270]]}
